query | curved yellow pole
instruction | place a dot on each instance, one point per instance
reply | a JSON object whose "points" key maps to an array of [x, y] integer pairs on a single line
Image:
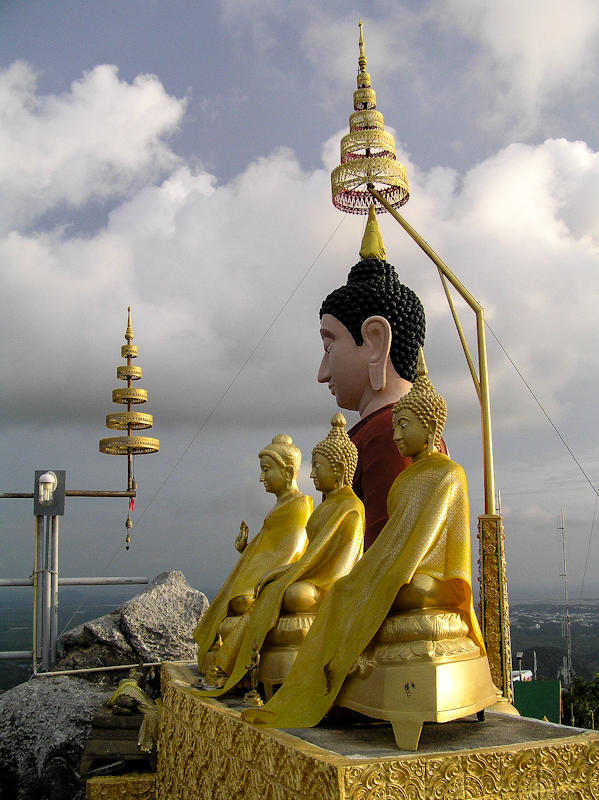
{"points": [[481, 382], [493, 583]]}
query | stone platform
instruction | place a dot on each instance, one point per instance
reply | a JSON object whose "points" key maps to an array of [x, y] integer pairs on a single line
{"points": [[207, 751]]}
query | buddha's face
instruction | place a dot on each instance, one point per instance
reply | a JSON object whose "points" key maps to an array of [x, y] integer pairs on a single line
{"points": [[323, 474], [272, 475], [409, 434], [343, 366]]}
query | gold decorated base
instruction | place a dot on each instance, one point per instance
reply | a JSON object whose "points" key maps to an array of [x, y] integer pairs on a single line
{"points": [[207, 751], [409, 694], [133, 786]]}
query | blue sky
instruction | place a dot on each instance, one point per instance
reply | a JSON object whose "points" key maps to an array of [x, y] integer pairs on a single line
{"points": [[176, 157]]}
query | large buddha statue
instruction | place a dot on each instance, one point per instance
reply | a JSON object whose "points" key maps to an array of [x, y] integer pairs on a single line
{"points": [[398, 638], [288, 596], [281, 541], [371, 329]]}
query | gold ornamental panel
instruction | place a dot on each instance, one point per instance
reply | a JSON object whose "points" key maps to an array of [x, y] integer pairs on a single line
{"points": [[366, 118], [208, 752], [494, 609], [121, 420], [349, 184], [356, 173], [378, 142], [127, 372], [129, 351], [131, 786], [129, 395], [364, 98], [122, 445]]}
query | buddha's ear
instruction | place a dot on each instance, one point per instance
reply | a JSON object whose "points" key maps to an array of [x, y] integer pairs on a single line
{"points": [[340, 471], [376, 333], [432, 430], [289, 475]]}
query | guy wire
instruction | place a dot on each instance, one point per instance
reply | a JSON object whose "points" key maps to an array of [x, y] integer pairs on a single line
{"points": [[239, 371], [538, 402]]}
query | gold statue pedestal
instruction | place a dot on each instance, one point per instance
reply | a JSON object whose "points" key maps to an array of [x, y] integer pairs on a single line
{"points": [[280, 649], [207, 752], [278, 652], [410, 694]]}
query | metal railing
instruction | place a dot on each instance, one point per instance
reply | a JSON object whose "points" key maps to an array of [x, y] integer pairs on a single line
{"points": [[45, 579]]}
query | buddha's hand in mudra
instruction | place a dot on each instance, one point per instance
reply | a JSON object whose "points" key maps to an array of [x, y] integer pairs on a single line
{"points": [[241, 542]]}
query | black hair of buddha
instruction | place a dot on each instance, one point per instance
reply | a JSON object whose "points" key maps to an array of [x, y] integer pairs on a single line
{"points": [[373, 288]]}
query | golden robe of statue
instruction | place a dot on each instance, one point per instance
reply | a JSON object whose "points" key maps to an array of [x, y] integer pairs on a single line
{"points": [[428, 534], [336, 540], [282, 540]]}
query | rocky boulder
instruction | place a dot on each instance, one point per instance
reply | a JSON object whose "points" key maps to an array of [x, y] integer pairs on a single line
{"points": [[156, 625], [44, 723], [159, 622], [43, 726]]}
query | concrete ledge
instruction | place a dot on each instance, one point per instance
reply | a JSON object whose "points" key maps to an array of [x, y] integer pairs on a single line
{"points": [[207, 751]]}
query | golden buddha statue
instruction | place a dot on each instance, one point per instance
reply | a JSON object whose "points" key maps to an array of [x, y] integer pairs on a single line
{"points": [[281, 541], [398, 638], [288, 596]]}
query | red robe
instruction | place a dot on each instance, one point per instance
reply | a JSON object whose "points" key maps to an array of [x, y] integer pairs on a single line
{"points": [[379, 463]]}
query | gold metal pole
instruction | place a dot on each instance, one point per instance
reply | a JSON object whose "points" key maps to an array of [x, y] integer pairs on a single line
{"points": [[494, 608], [463, 342], [485, 410], [482, 384]]}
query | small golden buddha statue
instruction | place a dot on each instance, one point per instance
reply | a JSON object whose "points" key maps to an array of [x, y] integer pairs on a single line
{"points": [[397, 638], [281, 541], [288, 596]]}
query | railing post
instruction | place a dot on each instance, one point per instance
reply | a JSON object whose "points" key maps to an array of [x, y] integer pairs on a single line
{"points": [[53, 588], [46, 597], [37, 589]]}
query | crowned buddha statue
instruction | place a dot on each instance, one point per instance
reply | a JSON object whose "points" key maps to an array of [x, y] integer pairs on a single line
{"points": [[371, 329], [280, 542], [397, 638], [287, 597]]}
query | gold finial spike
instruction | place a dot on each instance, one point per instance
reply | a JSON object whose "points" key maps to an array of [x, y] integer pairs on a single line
{"points": [[372, 241], [421, 368], [362, 60], [129, 331]]}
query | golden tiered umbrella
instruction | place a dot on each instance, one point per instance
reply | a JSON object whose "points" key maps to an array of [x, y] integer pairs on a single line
{"points": [[129, 420], [367, 154]]}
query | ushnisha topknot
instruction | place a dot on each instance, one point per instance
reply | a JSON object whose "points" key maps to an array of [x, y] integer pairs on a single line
{"points": [[373, 288], [283, 451], [339, 447], [424, 401]]}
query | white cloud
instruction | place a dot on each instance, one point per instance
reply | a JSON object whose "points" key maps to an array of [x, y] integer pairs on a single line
{"points": [[528, 51], [101, 139], [208, 267], [212, 265]]}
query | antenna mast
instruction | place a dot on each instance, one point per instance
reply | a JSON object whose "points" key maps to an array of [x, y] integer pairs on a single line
{"points": [[566, 626]]}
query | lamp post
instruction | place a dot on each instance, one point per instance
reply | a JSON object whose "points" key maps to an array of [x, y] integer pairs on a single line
{"points": [[48, 505]]}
